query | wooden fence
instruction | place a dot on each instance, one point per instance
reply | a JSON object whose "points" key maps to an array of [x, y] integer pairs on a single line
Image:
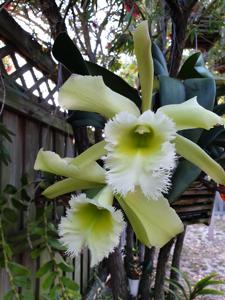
{"points": [[31, 113]]}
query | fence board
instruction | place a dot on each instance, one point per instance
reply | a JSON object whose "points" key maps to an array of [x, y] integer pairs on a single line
{"points": [[31, 147], [12, 173]]}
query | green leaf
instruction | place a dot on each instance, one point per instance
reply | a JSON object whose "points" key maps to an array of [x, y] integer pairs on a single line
{"points": [[178, 286], [48, 282], [53, 293], [18, 270], [194, 67], [18, 204], [65, 267], [8, 251], [70, 284], [24, 180], [208, 137], [207, 280], [37, 252], [210, 292], [65, 51], [84, 118], [9, 214], [184, 175], [24, 195], [3, 200], [160, 66], [171, 91], [219, 109], [9, 296], [27, 294], [44, 269], [55, 244], [22, 281], [10, 189]]}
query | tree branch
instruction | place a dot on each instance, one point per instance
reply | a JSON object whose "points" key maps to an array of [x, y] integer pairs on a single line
{"points": [[51, 12]]}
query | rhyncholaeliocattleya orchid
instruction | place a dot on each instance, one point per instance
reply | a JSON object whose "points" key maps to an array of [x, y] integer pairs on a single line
{"points": [[93, 223], [139, 150]]}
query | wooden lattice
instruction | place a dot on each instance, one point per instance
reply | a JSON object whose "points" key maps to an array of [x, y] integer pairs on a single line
{"points": [[20, 73]]}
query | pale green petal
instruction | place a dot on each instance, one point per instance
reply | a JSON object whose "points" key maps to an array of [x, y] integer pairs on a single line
{"points": [[154, 222], [200, 158], [89, 93], [190, 114], [93, 153], [67, 186], [142, 47], [51, 162]]}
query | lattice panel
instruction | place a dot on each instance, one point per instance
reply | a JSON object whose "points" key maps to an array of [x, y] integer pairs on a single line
{"points": [[27, 77]]}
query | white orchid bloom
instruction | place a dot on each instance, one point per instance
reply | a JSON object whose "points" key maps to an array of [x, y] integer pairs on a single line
{"points": [[140, 152], [91, 223]]}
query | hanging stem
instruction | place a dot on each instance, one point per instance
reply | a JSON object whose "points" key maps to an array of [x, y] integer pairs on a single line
{"points": [[52, 255], [6, 261]]}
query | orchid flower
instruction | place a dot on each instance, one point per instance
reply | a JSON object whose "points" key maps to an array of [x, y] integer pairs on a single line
{"points": [[93, 223], [140, 152]]}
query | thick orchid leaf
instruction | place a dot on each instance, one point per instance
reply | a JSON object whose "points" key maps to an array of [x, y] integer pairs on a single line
{"points": [[183, 177], [194, 67], [204, 89], [116, 83], [171, 91], [65, 51], [160, 66], [208, 137], [84, 118], [174, 91], [219, 109]]}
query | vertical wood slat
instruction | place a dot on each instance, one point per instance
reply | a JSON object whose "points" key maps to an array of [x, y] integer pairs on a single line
{"points": [[12, 174], [46, 143], [31, 147], [23, 150]]}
